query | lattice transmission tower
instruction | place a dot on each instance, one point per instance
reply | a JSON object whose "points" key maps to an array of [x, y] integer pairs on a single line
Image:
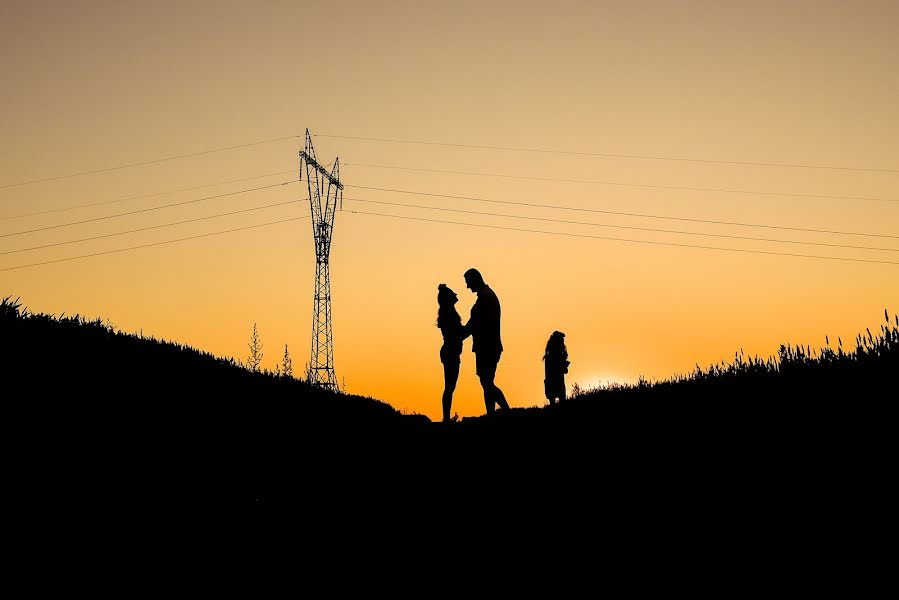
{"points": [[325, 191]]}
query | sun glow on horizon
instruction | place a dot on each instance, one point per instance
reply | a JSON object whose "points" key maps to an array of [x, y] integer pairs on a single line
{"points": [[599, 381]]}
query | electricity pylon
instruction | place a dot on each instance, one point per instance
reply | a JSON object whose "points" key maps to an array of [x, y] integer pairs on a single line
{"points": [[325, 190]]}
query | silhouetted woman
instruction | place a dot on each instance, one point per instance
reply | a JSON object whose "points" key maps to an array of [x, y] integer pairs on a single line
{"points": [[450, 324], [555, 364]]}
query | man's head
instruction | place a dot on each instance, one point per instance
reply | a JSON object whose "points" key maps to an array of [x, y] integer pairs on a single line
{"points": [[474, 281]]}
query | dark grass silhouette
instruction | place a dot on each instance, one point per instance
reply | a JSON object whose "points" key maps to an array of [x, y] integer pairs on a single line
{"points": [[103, 420], [108, 423]]}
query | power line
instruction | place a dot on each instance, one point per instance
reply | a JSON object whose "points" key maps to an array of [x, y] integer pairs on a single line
{"points": [[719, 235], [143, 210], [608, 155], [624, 214], [451, 223], [598, 237], [433, 143], [118, 233], [195, 237], [535, 205], [105, 202], [624, 184], [148, 162]]}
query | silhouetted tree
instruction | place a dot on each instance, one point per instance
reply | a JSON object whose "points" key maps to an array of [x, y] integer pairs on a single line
{"points": [[286, 364], [255, 357]]}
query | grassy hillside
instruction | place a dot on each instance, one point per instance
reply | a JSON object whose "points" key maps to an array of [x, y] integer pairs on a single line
{"points": [[140, 421], [109, 421]]}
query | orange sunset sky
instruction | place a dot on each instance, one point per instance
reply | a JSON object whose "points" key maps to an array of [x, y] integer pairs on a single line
{"points": [[787, 112]]}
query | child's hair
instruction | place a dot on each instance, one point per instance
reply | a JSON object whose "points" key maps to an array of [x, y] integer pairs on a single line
{"points": [[555, 344]]}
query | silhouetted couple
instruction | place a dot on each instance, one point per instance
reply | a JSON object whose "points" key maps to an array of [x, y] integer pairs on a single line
{"points": [[484, 328]]}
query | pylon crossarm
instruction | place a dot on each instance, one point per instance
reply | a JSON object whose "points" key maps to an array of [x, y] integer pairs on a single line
{"points": [[310, 160]]}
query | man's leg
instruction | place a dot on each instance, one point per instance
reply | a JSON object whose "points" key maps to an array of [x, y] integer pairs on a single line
{"points": [[500, 398], [488, 394], [493, 395], [498, 395], [486, 369]]}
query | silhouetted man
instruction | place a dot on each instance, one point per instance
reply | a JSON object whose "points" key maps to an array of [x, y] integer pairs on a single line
{"points": [[483, 327]]}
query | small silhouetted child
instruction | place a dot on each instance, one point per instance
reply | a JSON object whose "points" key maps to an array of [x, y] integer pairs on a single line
{"points": [[555, 364]]}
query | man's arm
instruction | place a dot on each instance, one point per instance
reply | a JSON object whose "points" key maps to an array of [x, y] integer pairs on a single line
{"points": [[469, 327], [466, 329]]}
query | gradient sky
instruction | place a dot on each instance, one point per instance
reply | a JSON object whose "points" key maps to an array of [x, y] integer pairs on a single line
{"points": [[91, 85]]}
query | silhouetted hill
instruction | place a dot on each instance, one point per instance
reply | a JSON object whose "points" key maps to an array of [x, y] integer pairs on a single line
{"points": [[116, 423], [137, 421]]}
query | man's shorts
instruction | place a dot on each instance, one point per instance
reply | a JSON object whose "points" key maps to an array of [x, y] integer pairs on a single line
{"points": [[485, 363]]}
